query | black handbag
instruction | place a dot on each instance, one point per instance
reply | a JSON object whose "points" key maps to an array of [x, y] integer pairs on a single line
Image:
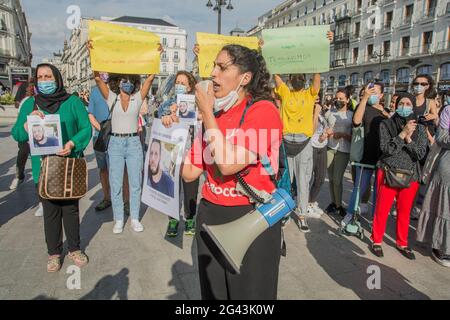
{"points": [[398, 178], [101, 144], [294, 148]]}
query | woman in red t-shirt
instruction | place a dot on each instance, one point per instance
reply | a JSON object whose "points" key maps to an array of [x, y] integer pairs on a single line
{"points": [[239, 91]]}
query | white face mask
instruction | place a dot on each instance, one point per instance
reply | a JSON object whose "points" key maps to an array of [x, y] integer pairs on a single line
{"points": [[229, 100]]}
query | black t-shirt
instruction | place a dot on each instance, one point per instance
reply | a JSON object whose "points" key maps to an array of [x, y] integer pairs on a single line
{"points": [[21, 92], [371, 122]]}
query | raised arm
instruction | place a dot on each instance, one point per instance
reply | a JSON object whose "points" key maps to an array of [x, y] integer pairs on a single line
{"points": [[278, 80], [359, 113]]}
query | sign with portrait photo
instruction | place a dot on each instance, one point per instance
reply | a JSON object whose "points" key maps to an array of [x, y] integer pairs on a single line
{"points": [[44, 135], [161, 189], [186, 110]]}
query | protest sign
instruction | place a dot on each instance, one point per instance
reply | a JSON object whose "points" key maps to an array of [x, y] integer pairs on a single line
{"points": [[44, 135], [297, 49], [186, 111], [121, 49], [211, 44], [161, 189]]}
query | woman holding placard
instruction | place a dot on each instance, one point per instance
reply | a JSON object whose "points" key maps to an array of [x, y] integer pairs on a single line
{"points": [[184, 84], [237, 100], [52, 99]]}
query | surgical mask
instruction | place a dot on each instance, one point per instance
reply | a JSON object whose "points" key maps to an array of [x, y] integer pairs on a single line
{"points": [[127, 87], [404, 111], [339, 104], [180, 89], [419, 89], [373, 100], [47, 87], [229, 100]]}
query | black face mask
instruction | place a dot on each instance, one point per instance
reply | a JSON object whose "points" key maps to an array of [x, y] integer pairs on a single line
{"points": [[339, 104]]}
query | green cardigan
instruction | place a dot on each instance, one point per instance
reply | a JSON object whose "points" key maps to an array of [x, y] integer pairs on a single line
{"points": [[75, 126]]}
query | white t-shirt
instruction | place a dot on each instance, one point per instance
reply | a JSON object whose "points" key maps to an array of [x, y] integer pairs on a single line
{"points": [[340, 121], [319, 131], [125, 122]]}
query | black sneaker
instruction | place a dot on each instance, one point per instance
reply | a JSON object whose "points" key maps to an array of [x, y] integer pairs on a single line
{"points": [[331, 209], [172, 228], [406, 252], [443, 260], [341, 211]]}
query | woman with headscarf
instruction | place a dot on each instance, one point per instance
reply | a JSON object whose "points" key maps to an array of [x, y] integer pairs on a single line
{"points": [[52, 98], [403, 144], [436, 206]]}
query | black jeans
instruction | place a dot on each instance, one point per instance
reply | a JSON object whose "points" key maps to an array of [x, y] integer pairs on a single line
{"points": [[57, 214], [22, 156], [258, 278], [319, 172], [190, 198]]}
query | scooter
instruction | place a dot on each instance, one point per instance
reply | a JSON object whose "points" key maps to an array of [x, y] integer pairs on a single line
{"points": [[354, 227]]}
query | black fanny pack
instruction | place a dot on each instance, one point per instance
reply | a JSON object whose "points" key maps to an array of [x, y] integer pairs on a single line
{"points": [[397, 178], [294, 148]]}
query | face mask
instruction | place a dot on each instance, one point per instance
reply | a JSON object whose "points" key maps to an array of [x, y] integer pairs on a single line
{"points": [[339, 104], [419, 89], [127, 87], [180, 89], [228, 101], [373, 100], [404, 111], [104, 76], [47, 87]]}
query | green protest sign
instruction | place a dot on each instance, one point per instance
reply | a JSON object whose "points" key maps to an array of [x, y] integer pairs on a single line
{"points": [[297, 49]]}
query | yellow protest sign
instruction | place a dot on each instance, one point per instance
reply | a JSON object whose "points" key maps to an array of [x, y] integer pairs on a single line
{"points": [[120, 49], [211, 44]]}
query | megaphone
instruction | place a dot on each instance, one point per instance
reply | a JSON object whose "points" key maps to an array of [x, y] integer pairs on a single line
{"points": [[234, 238]]}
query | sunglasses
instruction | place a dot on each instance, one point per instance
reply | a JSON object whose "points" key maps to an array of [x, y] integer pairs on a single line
{"points": [[424, 84]]}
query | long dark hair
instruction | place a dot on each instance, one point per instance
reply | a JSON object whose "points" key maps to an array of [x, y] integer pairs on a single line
{"points": [[248, 60], [191, 79], [430, 81]]}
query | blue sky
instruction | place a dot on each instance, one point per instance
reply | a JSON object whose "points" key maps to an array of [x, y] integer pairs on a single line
{"points": [[47, 19]]}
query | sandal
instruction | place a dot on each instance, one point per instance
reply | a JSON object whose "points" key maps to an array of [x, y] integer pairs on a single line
{"points": [[105, 204], [406, 252], [79, 258], [54, 263], [377, 250]]}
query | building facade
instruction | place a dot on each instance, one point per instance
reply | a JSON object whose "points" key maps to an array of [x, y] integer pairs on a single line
{"points": [[392, 40], [76, 63], [15, 45]]}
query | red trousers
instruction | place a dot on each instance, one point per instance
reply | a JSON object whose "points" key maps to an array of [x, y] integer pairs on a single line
{"points": [[385, 198]]}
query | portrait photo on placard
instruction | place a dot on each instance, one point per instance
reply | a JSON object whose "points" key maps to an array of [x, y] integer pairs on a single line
{"points": [[44, 135], [186, 107]]}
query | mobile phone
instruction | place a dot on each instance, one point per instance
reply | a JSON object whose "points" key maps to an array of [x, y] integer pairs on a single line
{"points": [[371, 85]]}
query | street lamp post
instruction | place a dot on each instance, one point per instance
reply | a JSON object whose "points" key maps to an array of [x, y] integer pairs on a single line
{"points": [[379, 56], [218, 8]]}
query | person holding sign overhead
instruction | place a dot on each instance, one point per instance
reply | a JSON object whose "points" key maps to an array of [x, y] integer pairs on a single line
{"points": [[52, 99], [237, 100], [297, 113], [125, 146]]}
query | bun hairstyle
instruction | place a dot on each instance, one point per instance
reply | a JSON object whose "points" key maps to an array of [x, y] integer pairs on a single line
{"points": [[248, 60]]}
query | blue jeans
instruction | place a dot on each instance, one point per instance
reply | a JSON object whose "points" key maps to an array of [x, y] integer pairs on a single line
{"points": [[127, 150], [365, 183]]}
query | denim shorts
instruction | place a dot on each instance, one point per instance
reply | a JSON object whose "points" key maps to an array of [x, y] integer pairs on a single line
{"points": [[101, 157]]}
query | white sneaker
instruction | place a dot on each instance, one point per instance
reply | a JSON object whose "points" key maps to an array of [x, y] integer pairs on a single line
{"points": [[118, 227], [15, 183], [137, 226], [40, 211], [311, 213], [316, 208], [348, 217]]}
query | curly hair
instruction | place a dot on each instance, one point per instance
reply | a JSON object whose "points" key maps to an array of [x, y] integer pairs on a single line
{"points": [[248, 60], [114, 81], [191, 79]]}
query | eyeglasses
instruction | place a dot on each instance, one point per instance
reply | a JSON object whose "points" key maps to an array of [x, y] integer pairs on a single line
{"points": [[424, 84]]}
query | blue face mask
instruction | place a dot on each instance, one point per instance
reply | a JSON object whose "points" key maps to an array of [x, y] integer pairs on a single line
{"points": [[180, 89], [47, 87], [127, 87], [373, 100], [419, 89], [404, 111]]}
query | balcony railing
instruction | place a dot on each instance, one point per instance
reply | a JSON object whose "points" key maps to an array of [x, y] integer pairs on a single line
{"points": [[405, 51], [431, 13], [386, 2], [407, 20], [338, 63], [176, 59], [443, 46], [342, 37], [387, 25], [164, 59]]}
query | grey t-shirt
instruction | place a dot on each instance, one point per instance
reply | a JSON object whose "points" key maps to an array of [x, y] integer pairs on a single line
{"points": [[125, 122]]}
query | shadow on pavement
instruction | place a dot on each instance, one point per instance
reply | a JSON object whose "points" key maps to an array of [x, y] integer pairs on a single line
{"points": [[107, 287], [334, 253]]}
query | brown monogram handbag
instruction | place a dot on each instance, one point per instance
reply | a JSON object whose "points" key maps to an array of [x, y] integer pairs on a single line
{"points": [[63, 178]]}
